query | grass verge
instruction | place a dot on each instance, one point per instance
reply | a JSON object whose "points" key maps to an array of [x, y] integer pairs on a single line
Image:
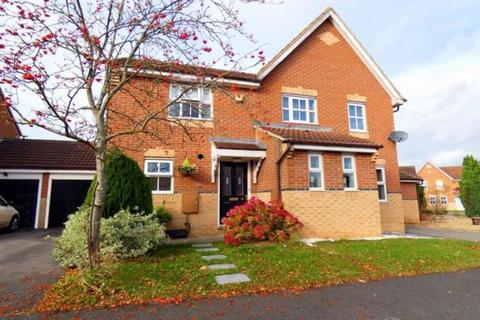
{"points": [[177, 273]]}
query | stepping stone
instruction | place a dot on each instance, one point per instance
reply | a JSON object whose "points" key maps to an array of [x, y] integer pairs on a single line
{"points": [[232, 278], [207, 249], [214, 257], [222, 266], [202, 245]]}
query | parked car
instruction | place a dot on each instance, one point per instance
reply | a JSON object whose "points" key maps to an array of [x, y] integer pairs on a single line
{"points": [[9, 217]]}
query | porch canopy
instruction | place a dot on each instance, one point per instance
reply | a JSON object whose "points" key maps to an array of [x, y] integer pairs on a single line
{"points": [[314, 138], [232, 149]]}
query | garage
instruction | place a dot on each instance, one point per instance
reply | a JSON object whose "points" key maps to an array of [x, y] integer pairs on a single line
{"points": [[46, 180], [65, 197], [23, 195]]}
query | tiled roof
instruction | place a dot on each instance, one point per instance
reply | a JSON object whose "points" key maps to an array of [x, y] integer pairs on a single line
{"points": [[190, 69], [315, 136], [238, 144], [409, 173], [453, 171], [45, 154]]}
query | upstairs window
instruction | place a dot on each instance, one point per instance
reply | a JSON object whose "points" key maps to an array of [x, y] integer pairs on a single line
{"points": [[356, 117], [439, 184], [349, 174], [381, 184], [190, 103], [160, 175], [300, 110], [315, 169]]}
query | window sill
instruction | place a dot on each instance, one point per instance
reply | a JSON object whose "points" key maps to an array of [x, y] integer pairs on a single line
{"points": [[350, 189], [358, 131], [316, 189], [383, 201], [301, 122], [162, 192]]}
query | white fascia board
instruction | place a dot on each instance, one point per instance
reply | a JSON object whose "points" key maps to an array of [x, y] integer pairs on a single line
{"points": [[410, 181], [235, 153], [194, 78], [48, 171], [333, 149]]}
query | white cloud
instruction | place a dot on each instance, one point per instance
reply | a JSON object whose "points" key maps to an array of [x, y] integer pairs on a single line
{"points": [[442, 115]]}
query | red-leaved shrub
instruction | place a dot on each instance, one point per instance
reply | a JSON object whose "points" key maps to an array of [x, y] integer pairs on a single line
{"points": [[258, 221]]}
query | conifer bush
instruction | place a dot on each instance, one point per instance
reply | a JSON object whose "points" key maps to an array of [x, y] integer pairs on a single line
{"points": [[470, 186], [127, 186]]}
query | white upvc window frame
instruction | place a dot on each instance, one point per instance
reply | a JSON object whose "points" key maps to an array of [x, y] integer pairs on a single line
{"points": [[439, 184], [159, 174], [363, 117], [290, 109], [434, 198], [382, 183], [186, 99], [316, 170], [353, 171], [443, 197]]}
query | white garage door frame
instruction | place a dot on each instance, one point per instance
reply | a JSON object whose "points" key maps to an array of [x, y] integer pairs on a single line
{"points": [[6, 175], [62, 176]]}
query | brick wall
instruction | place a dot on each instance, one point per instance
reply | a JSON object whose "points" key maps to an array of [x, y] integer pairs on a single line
{"points": [[411, 212], [391, 213], [409, 191], [335, 214], [7, 126]]}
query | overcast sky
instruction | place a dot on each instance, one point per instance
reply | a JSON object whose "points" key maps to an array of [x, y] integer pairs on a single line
{"points": [[429, 49]]}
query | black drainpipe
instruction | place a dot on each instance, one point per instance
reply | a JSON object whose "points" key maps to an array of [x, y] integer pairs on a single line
{"points": [[279, 169]]}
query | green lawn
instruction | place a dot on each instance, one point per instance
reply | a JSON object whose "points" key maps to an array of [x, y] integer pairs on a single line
{"points": [[177, 273]]}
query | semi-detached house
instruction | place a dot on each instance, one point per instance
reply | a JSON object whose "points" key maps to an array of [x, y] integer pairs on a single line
{"points": [[310, 128]]}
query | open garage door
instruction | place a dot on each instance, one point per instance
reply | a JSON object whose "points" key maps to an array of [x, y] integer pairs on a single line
{"points": [[24, 195], [65, 197]]}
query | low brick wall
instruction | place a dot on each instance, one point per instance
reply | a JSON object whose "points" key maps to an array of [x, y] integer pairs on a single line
{"points": [[410, 211], [335, 214], [392, 214]]}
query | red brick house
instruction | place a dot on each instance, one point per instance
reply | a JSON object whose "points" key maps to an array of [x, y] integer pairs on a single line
{"points": [[409, 180], [310, 128]]}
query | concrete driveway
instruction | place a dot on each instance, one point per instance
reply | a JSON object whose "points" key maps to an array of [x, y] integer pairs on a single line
{"points": [[440, 233], [26, 268]]}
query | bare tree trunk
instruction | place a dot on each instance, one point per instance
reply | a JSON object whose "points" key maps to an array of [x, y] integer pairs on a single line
{"points": [[98, 203]]}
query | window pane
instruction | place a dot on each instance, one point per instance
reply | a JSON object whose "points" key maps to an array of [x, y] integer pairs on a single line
{"points": [[348, 180], [315, 180], [381, 192], [192, 94], [360, 124], [351, 110], [206, 95], [379, 175], [296, 115], [195, 110], [174, 110], [174, 92], [303, 104], [353, 123], [185, 110], [295, 103], [303, 116], [164, 183], [311, 117], [152, 167], [206, 111], [359, 111], [347, 163], [286, 116], [284, 102], [311, 105], [153, 183], [314, 162], [165, 167]]}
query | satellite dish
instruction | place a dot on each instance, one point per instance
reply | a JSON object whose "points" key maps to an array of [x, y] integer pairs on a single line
{"points": [[398, 136]]}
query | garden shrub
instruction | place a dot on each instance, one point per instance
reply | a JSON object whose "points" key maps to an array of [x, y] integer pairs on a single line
{"points": [[470, 186], [125, 235], [259, 221], [161, 214], [127, 187]]}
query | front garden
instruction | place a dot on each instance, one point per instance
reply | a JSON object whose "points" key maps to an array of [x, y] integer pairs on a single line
{"points": [[176, 273]]}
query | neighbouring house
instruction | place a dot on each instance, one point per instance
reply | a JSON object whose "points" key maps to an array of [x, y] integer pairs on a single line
{"points": [[8, 127], [409, 180], [44, 179], [310, 128], [442, 185]]}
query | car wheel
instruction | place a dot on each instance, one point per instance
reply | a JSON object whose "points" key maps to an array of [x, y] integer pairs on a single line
{"points": [[13, 226]]}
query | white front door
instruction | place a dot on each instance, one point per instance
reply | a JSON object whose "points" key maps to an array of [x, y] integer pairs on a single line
{"points": [[458, 204]]}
